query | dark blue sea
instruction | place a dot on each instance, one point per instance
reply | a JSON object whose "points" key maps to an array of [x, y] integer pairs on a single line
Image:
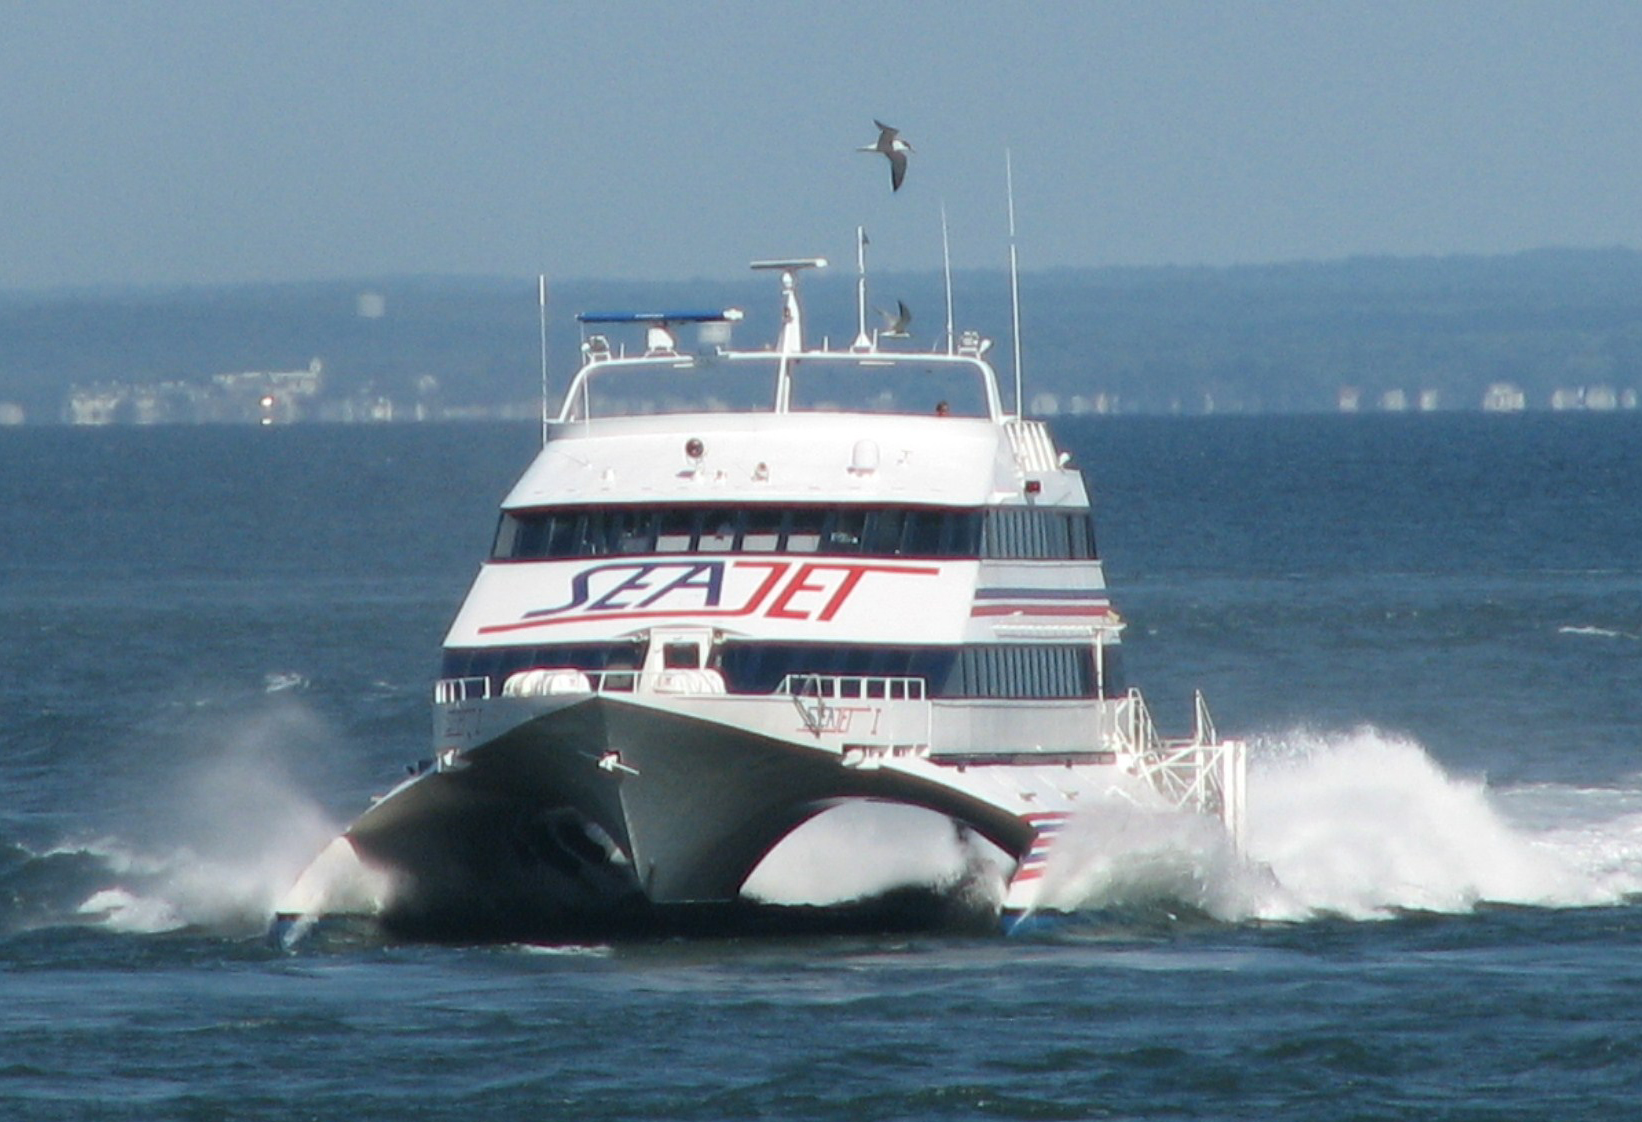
{"points": [[217, 643]]}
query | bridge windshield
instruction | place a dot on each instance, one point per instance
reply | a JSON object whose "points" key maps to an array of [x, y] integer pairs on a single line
{"points": [[686, 384], [888, 384], [918, 385]]}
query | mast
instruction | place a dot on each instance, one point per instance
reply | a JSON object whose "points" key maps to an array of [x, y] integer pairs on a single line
{"points": [[862, 341], [791, 341]]}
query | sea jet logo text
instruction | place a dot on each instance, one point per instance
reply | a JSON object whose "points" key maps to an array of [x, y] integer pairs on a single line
{"points": [[797, 590]]}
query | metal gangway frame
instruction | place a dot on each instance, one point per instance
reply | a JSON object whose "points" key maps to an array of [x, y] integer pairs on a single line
{"points": [[1200, 773]]}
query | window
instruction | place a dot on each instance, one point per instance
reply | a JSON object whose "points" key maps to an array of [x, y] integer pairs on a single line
{"points": [[804, 528], [1002, 533], [1038, 533], [678, 528], [718, 532], [994, 670], [761, 529], [888, 384], [889, 531], [1024, 671], [705, 383], [681, 656]]}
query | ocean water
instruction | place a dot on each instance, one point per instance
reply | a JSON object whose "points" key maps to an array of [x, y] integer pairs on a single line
{"points": [[217, 643]]}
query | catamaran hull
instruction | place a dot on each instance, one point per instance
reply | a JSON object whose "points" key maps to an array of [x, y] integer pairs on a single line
{"points": [[605, 816]]}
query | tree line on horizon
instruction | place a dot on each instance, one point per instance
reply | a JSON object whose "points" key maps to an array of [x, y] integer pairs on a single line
{"points": [[1274, 338]]}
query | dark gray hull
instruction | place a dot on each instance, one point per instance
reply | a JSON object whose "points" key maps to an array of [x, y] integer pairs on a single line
{"points": [[606, 817]]}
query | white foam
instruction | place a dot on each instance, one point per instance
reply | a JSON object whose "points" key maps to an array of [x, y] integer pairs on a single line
{"points": [[1598, 632], [278, 681], [1597, 829], [1359, 824], [1363, 825], [155, 892], [1117, 854], [860, 849], [120, 910], [568, 950], [1366, 824]]}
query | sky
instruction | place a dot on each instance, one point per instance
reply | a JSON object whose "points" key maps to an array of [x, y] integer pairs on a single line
{"points": [[200, 142]]}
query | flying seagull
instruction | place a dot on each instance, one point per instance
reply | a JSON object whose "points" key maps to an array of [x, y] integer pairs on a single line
{"points": [[891, 145], [895, 326]]}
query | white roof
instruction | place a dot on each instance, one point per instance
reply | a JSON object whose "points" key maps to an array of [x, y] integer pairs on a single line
{"points": [[780, 458]]}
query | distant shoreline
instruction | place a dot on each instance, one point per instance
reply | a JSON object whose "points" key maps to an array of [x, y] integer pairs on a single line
{"points": [[1557, 329]]}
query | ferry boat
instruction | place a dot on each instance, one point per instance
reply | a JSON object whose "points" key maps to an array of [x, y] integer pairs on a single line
{"points": [[737, 588]]}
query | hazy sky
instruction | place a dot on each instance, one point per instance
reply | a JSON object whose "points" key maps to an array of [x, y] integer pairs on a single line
{"points": [[206, 141]]}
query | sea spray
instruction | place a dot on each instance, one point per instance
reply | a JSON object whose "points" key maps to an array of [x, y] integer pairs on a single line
{"points": [[1359, 824], [1119, 856], [1598, 830], [227, 827], [1365, 824]]}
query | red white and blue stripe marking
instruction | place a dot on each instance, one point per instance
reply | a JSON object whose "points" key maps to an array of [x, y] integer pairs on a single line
{"points": [[1076, 603], [1046, 828], [1021, 898]]}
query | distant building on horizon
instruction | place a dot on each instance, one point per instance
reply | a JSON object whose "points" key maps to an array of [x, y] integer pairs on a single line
{"points": [[252, 397], [1598, 399], [1504, 397], [1044, 405]]}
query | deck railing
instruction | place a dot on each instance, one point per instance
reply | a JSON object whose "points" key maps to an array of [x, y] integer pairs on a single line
{"points": [[1201, 773], [818, 697], [1034, 448], [857, 686], [454, 691]]}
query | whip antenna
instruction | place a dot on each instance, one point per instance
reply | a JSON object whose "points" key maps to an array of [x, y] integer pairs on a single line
{"points": [[541, 304], [946, 257], [1014, 279]]}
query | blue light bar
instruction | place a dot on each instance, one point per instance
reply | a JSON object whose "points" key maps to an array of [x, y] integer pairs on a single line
{"points": [[725, 316]]}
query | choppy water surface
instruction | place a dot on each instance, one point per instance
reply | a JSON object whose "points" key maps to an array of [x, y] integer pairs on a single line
{"points": [[217, 645]]}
